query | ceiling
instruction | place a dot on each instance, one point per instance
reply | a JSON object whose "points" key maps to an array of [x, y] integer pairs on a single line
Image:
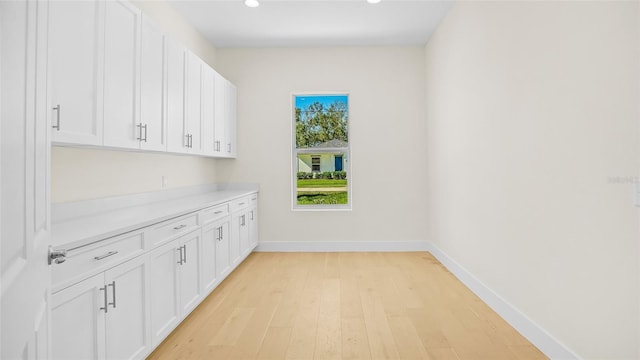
{"points": [[314, 23]]}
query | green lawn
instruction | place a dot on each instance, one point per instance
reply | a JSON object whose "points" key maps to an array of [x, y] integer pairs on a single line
{"points": [[315, 198], [319, 183]]}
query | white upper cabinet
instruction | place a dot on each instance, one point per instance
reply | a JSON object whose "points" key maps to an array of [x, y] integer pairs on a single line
{"points": [[121, 74], [152, 129], [117, 81], [75, 70], [208, 139], [175, 87], [219, 114], [193, 109], [230, 118]]}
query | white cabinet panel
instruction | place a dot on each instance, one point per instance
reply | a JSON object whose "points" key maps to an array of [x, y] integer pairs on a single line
{"points": [[76, 35], [208, 255], [153, 126], [230, 118], [190, 293], [176, 57], [219, 114], [77, 321], [194, 103], [164, 290], [127, 325], [208, 111], [223, 263], [253, 228], [239, 236], [121, 74]]}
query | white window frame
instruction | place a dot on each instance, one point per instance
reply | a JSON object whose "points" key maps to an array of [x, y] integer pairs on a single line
{"points": [[346, 157]]}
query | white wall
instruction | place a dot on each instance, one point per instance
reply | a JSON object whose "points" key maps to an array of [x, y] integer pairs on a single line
{"points": [[78, 174], [532, 108], [386, 87]]}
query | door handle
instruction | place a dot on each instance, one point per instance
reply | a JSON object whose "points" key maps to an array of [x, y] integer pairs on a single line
{"points": [[105, 308], [113, 285], [145, 133], [180, 249], [57, 125], [139, 126], [185, 253]]}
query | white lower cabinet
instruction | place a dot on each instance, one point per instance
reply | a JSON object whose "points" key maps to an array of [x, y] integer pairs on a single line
{"points": [[175, 283], [215, 253], [104, 316], [120, 297]]}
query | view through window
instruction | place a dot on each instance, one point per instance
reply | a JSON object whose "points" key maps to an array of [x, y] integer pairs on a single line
{"points": [[321, 151]]}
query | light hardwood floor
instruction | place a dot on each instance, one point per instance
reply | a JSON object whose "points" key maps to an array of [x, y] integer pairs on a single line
{"points": [[344, 306]]}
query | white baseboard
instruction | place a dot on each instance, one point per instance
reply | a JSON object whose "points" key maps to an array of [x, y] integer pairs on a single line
{"points": [[538, 336], [341, 246]]}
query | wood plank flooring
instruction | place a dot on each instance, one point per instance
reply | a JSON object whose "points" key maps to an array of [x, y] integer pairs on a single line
{"points": [[344, 306]]}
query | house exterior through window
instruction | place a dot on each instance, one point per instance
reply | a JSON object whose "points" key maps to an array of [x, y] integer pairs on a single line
{"points": [[321, 152]]}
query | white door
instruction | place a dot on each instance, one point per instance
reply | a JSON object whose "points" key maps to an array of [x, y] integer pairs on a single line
{"points": [[164, 290], [190, 293], [152, 128], [222, 249], [121, 75], [194, 104], [230, 119], [77, 320], [175, 58], [208, 111], [210, 234], [24, 181], [76, 70], [128, 333], [219, 114]]}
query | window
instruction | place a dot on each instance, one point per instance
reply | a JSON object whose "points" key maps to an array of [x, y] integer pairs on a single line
{"points": [[321, 166]]}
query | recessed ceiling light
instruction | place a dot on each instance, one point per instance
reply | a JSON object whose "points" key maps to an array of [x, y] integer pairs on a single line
{"points": [[254, 3], [373, 1]]}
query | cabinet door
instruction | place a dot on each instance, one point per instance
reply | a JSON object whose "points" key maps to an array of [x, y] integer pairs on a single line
{"points": [[121, 74], [253, 228], [75, 70], [164, 290], [208, 111], [153, 126], [210, 234], [190, 293], [239, 236], [219, 114], [127, 325], [77, 321], [194, 104], [230, 119], [175, 59], [223, 265]]}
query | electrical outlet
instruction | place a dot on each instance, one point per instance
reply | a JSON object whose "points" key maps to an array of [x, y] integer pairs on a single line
{"points": [[165, 181]]}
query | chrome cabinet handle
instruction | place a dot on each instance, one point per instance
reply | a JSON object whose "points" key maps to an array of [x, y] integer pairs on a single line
{"points": [[243, 220], [110, 253], [57, 256], [219, 233], [251, 218], [113, 285], [218, 145], [185, 253], [180, 249], [145, 133], [240, 204], [105, 308], [229, 147], [57, 125], [180, 227], [217, 212]]}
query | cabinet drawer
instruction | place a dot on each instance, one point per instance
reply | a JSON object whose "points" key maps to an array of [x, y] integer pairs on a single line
{"points": [[213, 213], [239, 204], [170, 229], [253, 199], [98, 256]]}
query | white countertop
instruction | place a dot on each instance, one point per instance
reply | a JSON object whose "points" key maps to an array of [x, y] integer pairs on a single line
{"points": [[81, 223]]}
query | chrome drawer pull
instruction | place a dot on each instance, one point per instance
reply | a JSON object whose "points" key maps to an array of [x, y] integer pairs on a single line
{"points": [[110, 253], [180, 227], [240, 204], [218, 212]]}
